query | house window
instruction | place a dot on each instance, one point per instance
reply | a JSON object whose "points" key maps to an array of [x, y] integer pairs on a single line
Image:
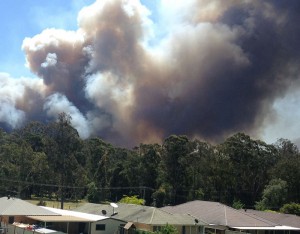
{"points": [[100, 227], [11, 219]]}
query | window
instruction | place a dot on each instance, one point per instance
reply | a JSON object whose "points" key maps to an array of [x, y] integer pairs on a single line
{"points": [[100, 227], [11, 219]]}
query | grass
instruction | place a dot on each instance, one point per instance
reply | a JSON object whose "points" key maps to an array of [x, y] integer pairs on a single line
{"points": [[56, 204]]}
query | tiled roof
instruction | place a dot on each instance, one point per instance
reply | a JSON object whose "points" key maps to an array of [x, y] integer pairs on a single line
{"points": [[216, 213], [282, 219], [139, 214], [16, 206]]}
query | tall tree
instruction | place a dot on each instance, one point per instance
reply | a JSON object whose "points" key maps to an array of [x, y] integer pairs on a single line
{"points": [[61, 145], [287, 168], [249, 161], [274, 195], [99, 167], [150, 159], [175, 150]]}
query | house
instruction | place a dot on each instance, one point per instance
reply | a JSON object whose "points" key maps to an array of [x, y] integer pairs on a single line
{"points": [[145, 217], [79, 222], [287, 220], [14, 214], [227, 218], [18, 216]]}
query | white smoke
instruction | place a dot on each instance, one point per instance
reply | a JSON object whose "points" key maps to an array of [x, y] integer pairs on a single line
{"points": [[58, 103]]}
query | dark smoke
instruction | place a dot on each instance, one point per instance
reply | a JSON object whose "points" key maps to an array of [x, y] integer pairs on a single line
{"points": [[218, 70]]}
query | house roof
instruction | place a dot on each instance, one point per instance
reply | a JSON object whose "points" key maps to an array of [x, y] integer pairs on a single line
{"points": [[140, 214], [15, 206], [216, 213], [128, 225], [68, 216], [280, 218], [280, 227]]}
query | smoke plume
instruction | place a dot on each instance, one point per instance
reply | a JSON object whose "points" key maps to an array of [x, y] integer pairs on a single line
{"points": [[201, 68]]}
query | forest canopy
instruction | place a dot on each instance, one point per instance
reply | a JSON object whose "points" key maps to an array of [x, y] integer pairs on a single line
{"points": [[52, 161]]}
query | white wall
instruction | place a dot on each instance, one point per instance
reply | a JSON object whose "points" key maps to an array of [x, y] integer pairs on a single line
{"points": [[111, 226]]}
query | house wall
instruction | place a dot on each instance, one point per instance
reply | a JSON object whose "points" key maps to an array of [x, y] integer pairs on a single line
{"points": [[70, 228], [18, 219], [111, 226], [142, 226], [188, 229], [181, 229], [12, 229]]}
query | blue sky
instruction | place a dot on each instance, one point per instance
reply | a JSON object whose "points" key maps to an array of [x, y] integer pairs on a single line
{"points": [[21, 19]]}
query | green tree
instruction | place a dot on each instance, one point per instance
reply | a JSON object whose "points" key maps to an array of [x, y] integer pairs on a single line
{"points": [[17, 165], [175, 151], [159, 197], [126, 171], [274, 195], [62, 143], [249, 162], [198, 166], [237, 204], [93, 193], [287, 168], [167, 229], [132, 200], [291, 208], [150, 156], [99, 165], [34, 134]]}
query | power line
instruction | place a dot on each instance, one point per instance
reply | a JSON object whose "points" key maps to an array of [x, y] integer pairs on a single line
{"points": [[76, 187], [42, 184]]}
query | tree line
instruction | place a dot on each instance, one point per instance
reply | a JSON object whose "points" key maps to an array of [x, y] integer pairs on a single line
{"points": [[52, 161]]}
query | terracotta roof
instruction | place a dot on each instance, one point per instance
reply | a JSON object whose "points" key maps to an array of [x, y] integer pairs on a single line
{"points": [[216, 213], [16, 206]]}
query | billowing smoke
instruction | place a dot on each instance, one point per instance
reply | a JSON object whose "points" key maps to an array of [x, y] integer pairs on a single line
{"points": [[202, 68]]}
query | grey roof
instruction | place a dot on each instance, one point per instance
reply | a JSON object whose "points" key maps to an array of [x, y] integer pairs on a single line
{"points": [[140, 214], [216, 213], [16, 206], [280, 218]]}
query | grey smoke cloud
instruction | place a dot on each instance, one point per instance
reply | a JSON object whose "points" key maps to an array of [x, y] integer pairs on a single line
{"points": [[216, 70]]}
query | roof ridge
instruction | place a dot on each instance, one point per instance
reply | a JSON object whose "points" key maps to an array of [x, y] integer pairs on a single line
{"points": [[225, 214], [151, 219]]}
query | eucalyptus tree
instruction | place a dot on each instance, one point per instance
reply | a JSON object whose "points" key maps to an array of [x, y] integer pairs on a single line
{"points": [[175, 150], [99, 166], [249, 162], [200, 170], [127, 171], [19, 165], [274, 195], [61, 147], [33, 134], [150, 156], [287, 168]]}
